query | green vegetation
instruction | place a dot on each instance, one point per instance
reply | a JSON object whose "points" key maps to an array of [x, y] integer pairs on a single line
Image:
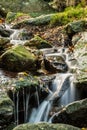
{"points": [[11, 17], [70, 14]]}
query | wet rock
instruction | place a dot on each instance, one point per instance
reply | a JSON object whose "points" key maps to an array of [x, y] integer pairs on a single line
{"points": [[38, 42], [74, 114], [6, 110], [45, 126], [55, 63], [18, 58], [4, 32]]}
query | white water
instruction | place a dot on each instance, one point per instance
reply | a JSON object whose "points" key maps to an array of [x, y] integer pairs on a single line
{"points": [[42, 112]]}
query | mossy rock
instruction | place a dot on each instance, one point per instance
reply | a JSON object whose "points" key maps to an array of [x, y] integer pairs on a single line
{"points": [[45, 126], [16, 17], [75, 27], [74, 114], [38, 42], [6, 109], [18, 58]]}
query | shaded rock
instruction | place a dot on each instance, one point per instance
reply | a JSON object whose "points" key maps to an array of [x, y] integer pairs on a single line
{"points": [[45, 126], [74, 114], [6, 110], [2, 12], [58, 5], [4, 44], [61, 5], [18, 58], [55, 63], [38, 42]]}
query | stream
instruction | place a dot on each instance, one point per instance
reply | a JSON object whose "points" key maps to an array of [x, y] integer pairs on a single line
{"points": [[62, 88]]}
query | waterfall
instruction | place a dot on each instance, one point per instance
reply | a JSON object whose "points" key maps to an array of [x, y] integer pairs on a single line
{"points": [[42, 112]]}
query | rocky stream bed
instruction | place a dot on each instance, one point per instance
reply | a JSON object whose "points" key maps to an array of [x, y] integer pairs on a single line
{"points": [[43, 75]]}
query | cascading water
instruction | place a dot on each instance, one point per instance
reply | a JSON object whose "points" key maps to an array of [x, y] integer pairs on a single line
{"points": [[42, 112], [62, 87]]}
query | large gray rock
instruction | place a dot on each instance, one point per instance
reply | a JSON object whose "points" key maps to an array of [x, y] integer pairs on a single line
{"points": [[18, 58], [74, 114], [45, 126]]}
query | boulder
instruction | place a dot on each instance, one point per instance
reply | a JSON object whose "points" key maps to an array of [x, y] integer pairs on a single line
{"points": [[6, 110], [38, 42], [55, 63], [18, 58], [81, 71], [37, 21], [45, 126], [74, 114], [75, 27]]}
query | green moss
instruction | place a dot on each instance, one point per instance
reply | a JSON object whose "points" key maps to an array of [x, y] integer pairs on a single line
{"points": [[18, 58], [26, 82], [70, 14], [45, 126], [38, 42], [11, 16]]}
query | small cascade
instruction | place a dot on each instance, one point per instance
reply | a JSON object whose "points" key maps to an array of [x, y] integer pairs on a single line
{"points": [[37, 97], [17, 108], [14, 107], [42, 112], [70, 95], [16, 37], [24, 104], [27, 103]]}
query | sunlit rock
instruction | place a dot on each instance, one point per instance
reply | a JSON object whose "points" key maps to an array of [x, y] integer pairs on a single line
{"points": [[45, 126], [18, 58]]}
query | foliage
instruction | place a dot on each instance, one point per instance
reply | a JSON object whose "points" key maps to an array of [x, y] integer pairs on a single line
{"points": [[70, 14]]}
